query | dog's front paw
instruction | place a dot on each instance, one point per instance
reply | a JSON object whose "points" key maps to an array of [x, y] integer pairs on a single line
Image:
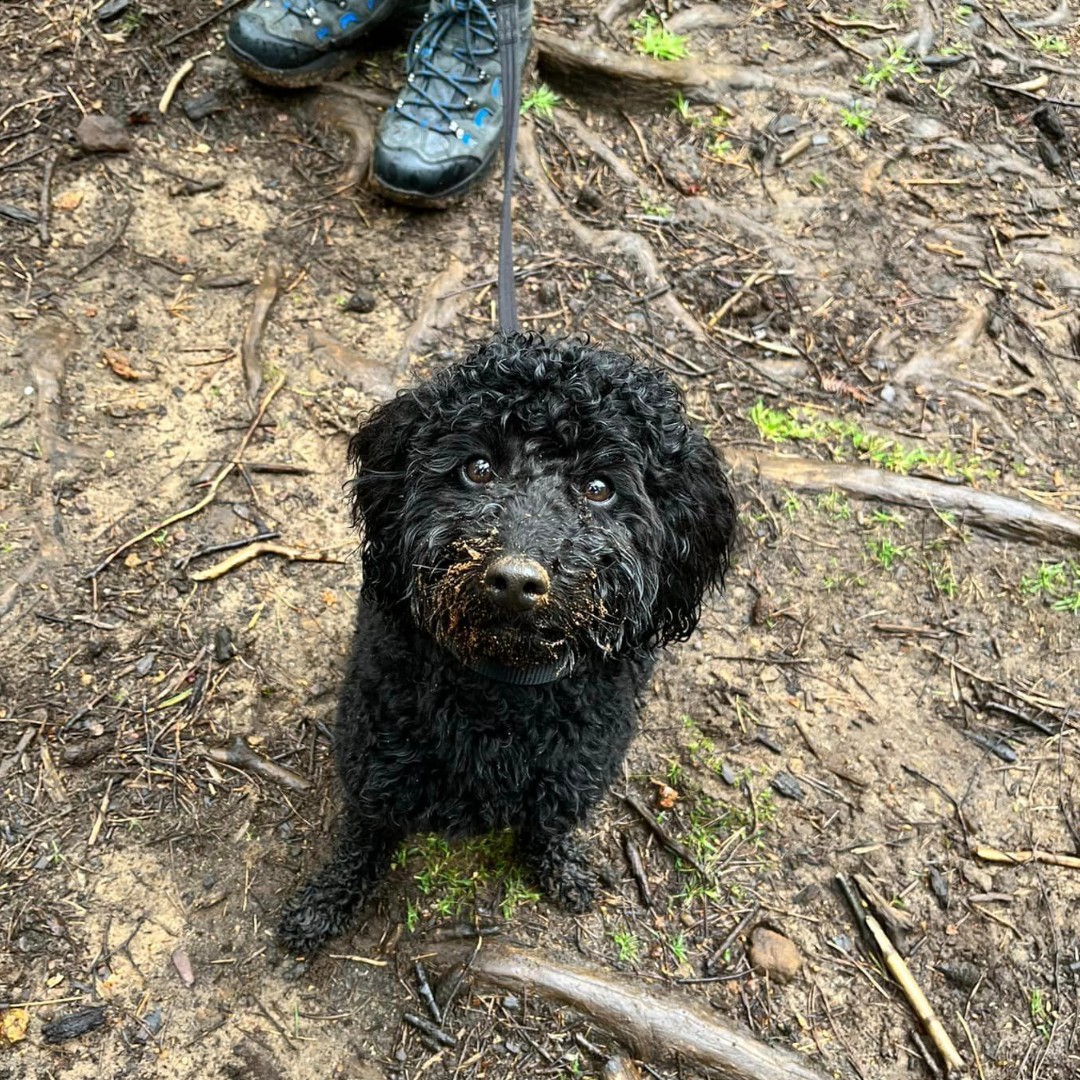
{"points": [[573, 884], [315, 914], [562, 870]]}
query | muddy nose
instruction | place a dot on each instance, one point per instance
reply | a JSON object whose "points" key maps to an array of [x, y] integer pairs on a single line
{"points": [[516, 583]]}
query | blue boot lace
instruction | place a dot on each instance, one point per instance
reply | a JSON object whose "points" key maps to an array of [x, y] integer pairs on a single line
{"points": [[435, 98]]}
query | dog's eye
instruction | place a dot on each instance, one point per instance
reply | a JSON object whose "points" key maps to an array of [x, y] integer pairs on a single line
{"points": [[599, 491], [479, 471]]}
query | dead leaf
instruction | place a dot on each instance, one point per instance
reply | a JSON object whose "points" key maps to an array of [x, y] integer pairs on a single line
{"points": [[120, 365], [13, 1026], [67, 201], [666, 796]]}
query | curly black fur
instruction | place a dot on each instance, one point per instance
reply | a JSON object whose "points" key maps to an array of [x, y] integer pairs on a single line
{"points": [[462, 713]]}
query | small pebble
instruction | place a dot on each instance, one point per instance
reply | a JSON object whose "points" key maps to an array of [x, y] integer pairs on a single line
{"points": [[774, 955], [98, 133]]}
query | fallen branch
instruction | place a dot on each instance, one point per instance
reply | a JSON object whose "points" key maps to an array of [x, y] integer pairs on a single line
{"points": [[999, 515], [265, 295], [240, 756], [211, 492], [657, 1026], [253, 551], [1019, 857]]}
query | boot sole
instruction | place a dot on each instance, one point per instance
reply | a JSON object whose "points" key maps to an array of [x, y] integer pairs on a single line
{"points": [[330, 65], [432, 202], [317, 71]]}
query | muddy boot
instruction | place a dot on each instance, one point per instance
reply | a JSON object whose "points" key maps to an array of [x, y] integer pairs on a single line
{"points": [[304, 42], [443, 133]]}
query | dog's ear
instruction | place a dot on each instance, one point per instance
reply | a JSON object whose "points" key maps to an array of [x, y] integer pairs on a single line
{"points": [[379, 456], [697, 515]]}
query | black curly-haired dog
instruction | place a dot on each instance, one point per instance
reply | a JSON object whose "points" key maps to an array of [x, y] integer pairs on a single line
{"points": [[537, 521]]}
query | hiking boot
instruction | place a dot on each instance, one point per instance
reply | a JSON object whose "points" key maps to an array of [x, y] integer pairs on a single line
{"points": [[442, 134], [302, 42]]}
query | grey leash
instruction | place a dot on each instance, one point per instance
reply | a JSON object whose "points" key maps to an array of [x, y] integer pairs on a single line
{"points": [[509, 46]]}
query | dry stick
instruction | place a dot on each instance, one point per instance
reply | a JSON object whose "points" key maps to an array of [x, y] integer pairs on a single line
{"points": [[253, 551], [240, 756], [713, 962], [657, 1025], [429, 1029], [913, 992], [265, 295], [871, 929], [662, 834], [1060, 102], [182, 72], [637, 868], [1017, 857], [999, 515], [208, 498]]}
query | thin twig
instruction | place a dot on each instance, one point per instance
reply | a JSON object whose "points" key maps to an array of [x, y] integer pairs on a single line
{"points": [[1019, 857], [43, 216], [202, 22], [669, 841]]}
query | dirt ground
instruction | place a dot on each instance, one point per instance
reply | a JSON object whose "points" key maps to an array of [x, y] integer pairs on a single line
{"points": [[847, 242]]}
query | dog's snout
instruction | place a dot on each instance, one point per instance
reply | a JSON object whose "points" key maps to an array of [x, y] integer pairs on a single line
{"points": [[516, 583]]}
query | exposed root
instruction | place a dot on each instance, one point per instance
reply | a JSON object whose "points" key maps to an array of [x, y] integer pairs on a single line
{"points": [[615, 11], [593, 68], [599, 148], [438, 307], [657, 1026], [705, 17], [998, 515], [348, 114], [598, 241], [47, 349], [939, 368], [265, 295], [771, 240]]}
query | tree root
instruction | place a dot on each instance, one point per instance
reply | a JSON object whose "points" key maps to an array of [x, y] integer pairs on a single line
{"points": [[47, 350], [593, 68], [998, 515], [265, 294], [598, 241], [599, 148], [439, 305], [658, 1027], [704, 17], [354, 117]]}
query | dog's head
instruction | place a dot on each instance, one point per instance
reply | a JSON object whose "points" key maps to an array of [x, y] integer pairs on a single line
{"points": [[541, 505]]}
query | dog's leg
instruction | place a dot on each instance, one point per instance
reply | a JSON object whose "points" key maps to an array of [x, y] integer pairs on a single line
{"points": [[561, 865], [323, 907]]}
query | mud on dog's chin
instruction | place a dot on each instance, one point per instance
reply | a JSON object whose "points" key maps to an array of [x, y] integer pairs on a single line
{"points": [[514, 655]]}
